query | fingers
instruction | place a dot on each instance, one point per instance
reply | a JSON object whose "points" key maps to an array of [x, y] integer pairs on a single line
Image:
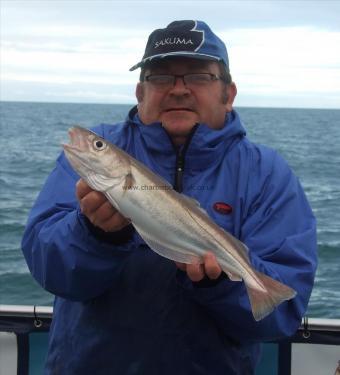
{"points": [[181, 266], [212, 268], [82, 189], [95, 206], [209, 268], [96, 202], [111, 224], [195, 272], [105, 216]]}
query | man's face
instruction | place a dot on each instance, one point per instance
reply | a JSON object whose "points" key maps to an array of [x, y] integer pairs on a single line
{"points": [[178, 107]]}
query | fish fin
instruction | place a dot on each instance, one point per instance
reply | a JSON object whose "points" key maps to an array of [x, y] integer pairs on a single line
{"points": [[233, 276], [129, 182], [264, 299], [167, 252]]}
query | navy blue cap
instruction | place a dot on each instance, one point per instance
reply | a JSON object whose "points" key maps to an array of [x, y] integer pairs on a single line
{"points": [[184, 38]]}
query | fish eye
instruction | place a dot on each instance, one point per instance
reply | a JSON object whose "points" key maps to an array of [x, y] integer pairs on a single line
{"points": [[99, 144]]}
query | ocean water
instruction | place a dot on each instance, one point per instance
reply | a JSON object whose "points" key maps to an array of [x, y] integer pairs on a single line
{"points": [[31, 134]]}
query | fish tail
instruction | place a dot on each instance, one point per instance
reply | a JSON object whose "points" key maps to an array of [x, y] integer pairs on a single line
{"points": [[270, 294]]}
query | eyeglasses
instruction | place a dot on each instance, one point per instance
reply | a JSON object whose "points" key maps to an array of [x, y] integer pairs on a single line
{"points": [[192, 80]]}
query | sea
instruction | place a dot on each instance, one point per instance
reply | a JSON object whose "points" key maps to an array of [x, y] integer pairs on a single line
{"points": [[30, 141]]}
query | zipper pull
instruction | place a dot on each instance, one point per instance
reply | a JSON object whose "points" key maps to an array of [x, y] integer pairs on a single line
{"points": [[179, 171]]}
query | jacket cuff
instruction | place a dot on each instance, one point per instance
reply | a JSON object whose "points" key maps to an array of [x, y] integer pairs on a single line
{"points": [[208, 283], [204, 286], [120, 237]]}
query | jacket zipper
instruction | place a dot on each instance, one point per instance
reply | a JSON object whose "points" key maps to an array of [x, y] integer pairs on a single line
{"points": [[180, 159], [178, 186]]}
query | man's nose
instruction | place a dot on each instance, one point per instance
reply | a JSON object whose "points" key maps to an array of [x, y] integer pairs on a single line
{"points": [[179, 86]]}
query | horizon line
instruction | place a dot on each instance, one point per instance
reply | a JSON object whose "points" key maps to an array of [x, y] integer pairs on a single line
{"points": [[134, 104]]}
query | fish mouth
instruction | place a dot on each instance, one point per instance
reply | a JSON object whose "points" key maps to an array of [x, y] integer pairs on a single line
{"points": [[71, 149], [76, 149], [78, 139]]}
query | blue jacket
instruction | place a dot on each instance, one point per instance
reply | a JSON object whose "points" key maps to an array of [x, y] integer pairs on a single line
{"points": [[122, 309]]}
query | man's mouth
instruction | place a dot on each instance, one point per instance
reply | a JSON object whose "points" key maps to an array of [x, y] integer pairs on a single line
{"points": [[179, 109]]}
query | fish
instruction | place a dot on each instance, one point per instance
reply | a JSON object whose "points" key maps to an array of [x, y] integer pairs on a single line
{"points": [[172, 224]]}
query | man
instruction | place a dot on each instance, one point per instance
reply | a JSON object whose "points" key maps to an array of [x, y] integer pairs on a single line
{"points": [[122, 309]]}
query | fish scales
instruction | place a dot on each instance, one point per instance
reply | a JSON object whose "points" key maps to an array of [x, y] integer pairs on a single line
{"points": [[168, 214]]}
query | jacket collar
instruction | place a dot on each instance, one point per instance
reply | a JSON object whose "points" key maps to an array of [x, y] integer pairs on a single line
{"points": [[206, 145]]}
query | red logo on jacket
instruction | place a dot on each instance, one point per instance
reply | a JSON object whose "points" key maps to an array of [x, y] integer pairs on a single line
{"points": [[223, 208]]}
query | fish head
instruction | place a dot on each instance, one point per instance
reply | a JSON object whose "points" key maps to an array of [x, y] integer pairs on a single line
{"points": [[96, 160]]}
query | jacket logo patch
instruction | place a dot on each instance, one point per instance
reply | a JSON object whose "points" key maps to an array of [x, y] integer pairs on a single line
{"points": [[223, 208]]}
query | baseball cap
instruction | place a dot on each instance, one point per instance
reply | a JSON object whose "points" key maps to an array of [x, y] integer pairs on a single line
{"points": [[184, 38]]}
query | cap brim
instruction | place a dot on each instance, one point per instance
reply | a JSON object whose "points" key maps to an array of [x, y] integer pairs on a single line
{"points": [[193, 55]]}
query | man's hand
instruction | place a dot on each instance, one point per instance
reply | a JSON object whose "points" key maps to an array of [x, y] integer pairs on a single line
{"points": [[95, 206], [197, 272]]}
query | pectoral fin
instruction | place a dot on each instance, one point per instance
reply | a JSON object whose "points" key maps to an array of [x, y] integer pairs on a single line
{"points": [[129, 182], [233, 277]]}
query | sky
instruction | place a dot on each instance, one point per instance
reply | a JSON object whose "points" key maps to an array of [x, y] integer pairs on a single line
{"points": [[282, 53]]}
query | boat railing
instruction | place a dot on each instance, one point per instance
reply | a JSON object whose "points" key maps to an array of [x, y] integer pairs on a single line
{"points": [[25, 311], [314, 349], [46, 313]]}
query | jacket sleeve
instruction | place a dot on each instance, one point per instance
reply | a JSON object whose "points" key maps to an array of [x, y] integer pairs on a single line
{"points": [[62, 250], [277, 225]]}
